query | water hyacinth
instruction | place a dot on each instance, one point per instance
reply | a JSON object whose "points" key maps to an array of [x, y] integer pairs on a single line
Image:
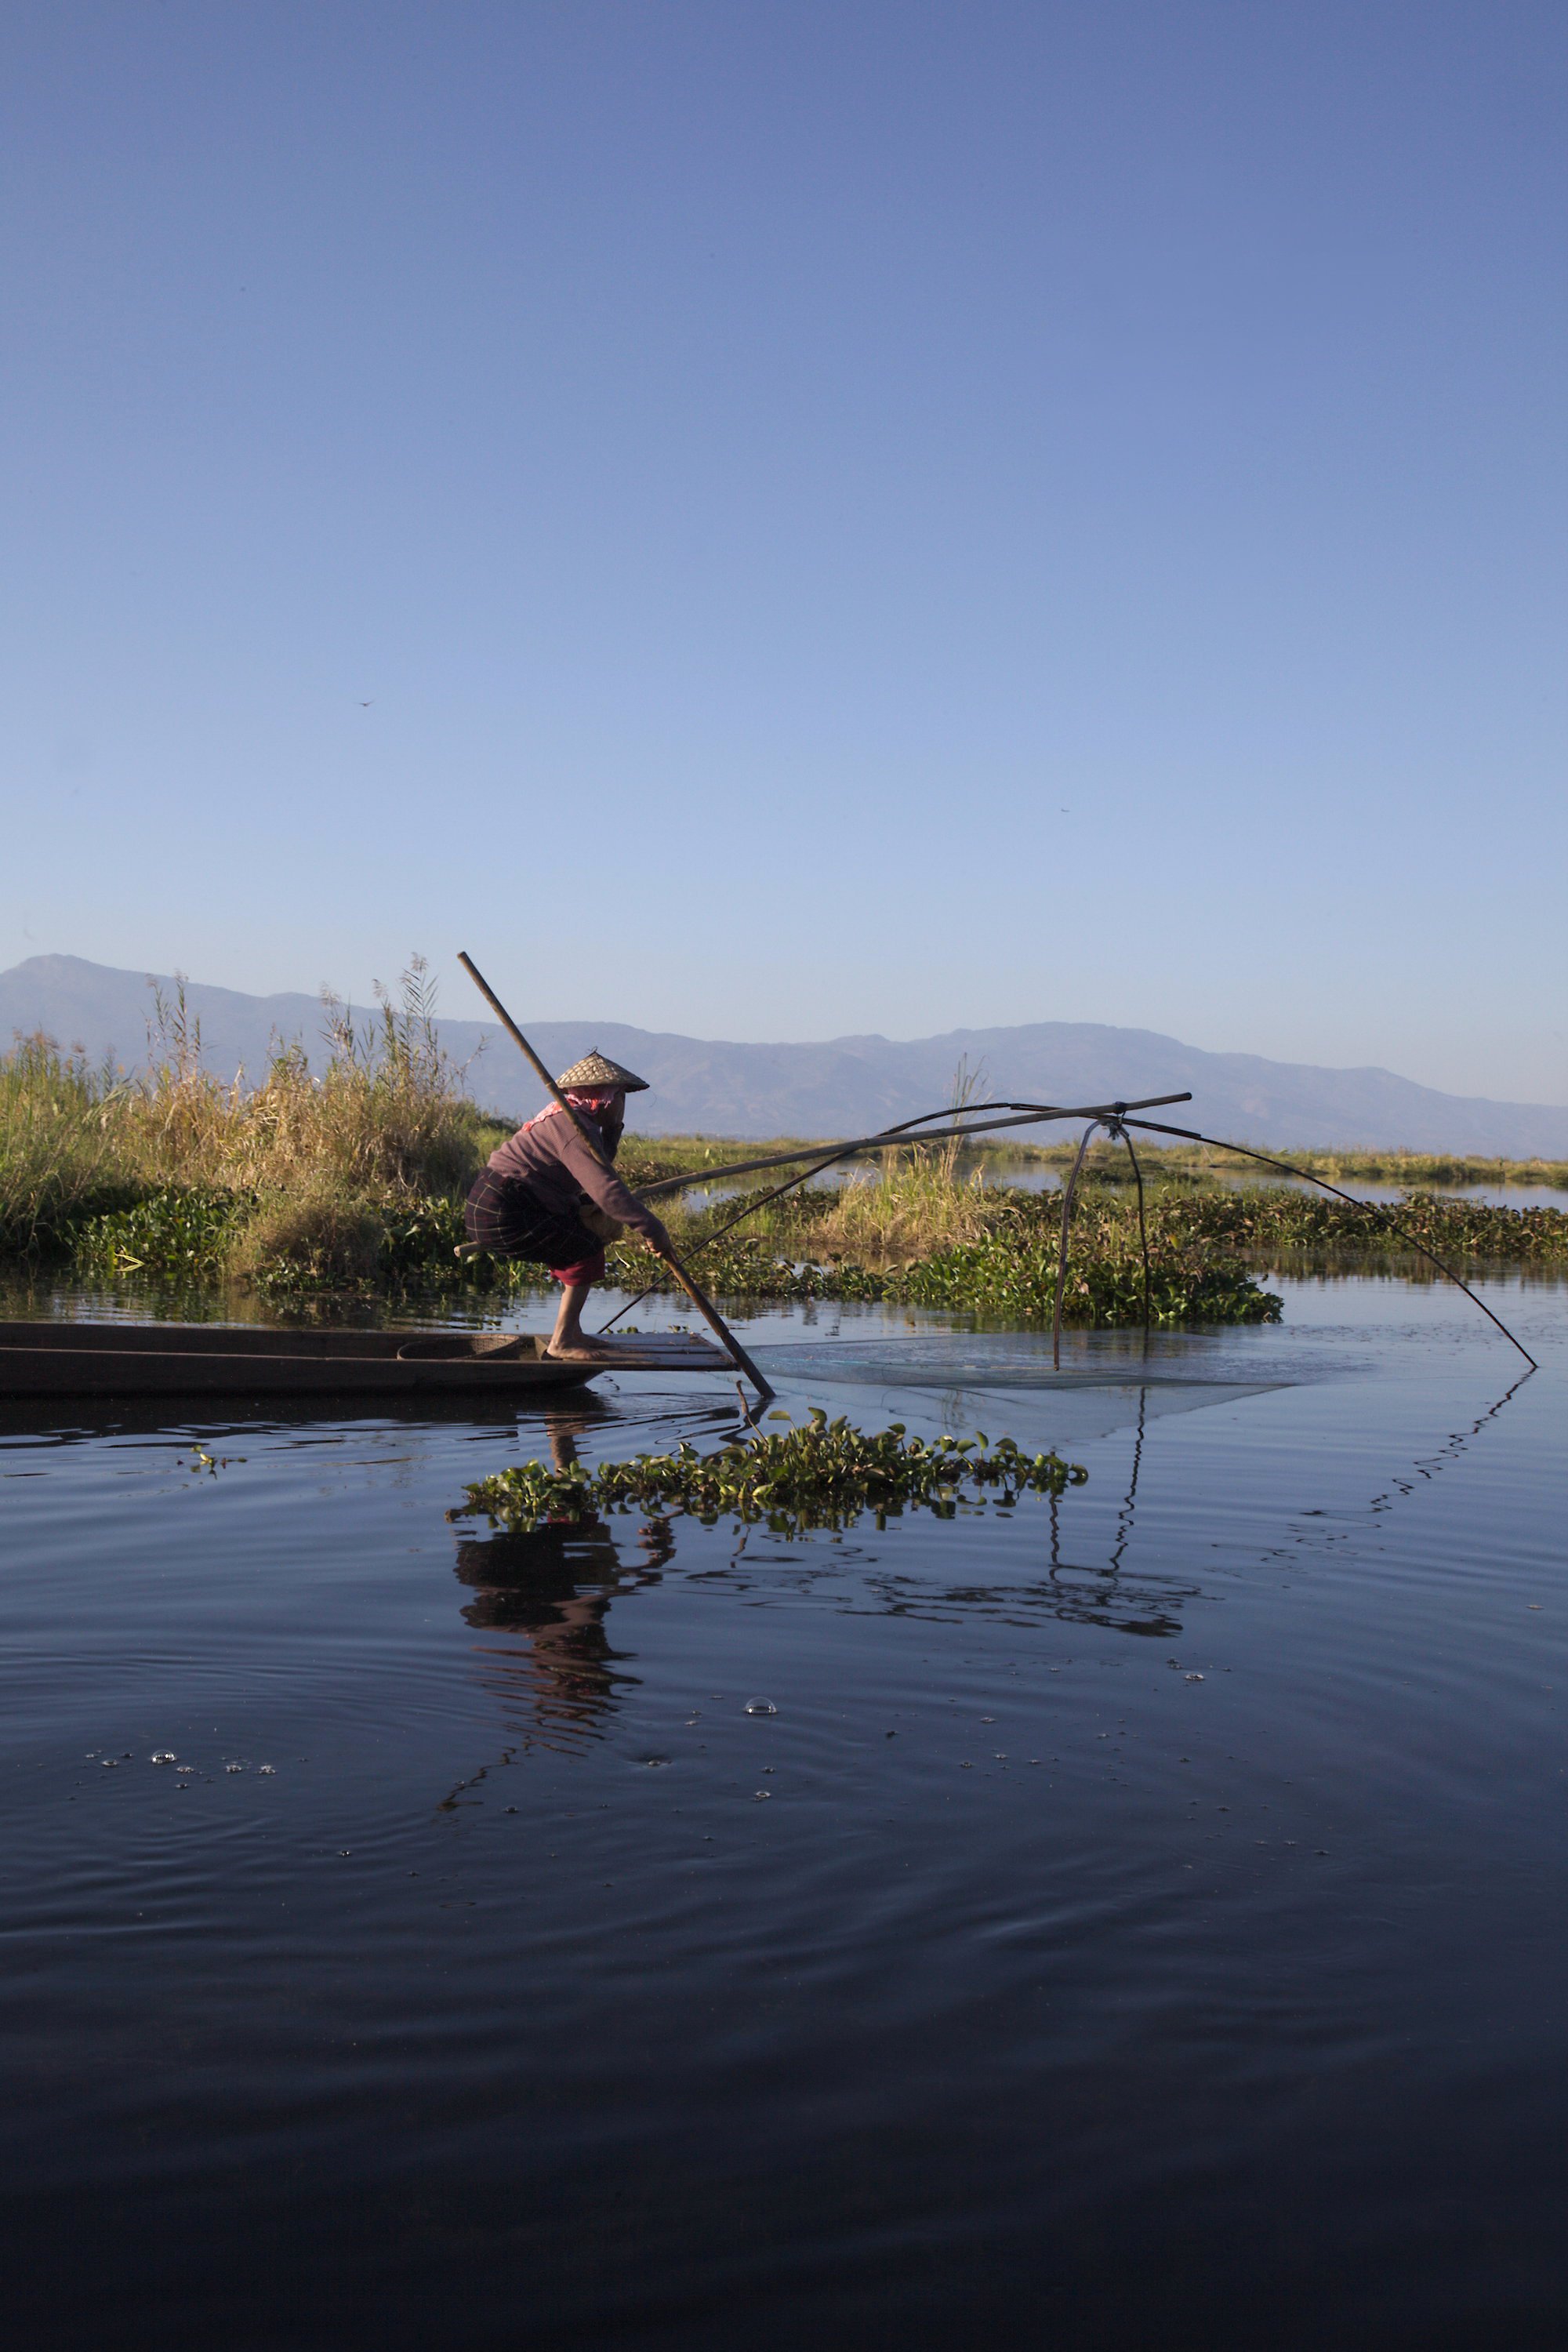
{"points": [[177, 1230], [824, 1474], [1016, 1277], [1271, 1217]]}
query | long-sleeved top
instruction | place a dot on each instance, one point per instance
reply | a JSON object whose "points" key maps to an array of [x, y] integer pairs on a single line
{"points": [[551, 1158]]}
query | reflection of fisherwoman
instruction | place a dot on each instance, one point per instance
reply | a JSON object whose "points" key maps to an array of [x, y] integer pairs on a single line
{"points": [[545, 1196], [553, 1584]]}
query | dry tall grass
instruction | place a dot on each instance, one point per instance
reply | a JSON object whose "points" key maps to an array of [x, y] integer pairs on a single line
{"points": [[387, 1116], [917, 1206], [60, 1152], [319, 1157]]}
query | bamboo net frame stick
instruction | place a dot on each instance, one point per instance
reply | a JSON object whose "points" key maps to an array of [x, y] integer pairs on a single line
{"points": [[890, 1139]]}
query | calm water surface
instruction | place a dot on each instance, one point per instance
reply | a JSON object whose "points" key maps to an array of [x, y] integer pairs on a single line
{"points": [[1035, 1176], [1142, 1920]]}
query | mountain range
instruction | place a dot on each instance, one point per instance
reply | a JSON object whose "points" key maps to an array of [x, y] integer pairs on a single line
{"points": [[846, 1085]]}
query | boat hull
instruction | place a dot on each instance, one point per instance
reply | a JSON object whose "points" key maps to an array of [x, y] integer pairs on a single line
{"points": [[134, 1360]]}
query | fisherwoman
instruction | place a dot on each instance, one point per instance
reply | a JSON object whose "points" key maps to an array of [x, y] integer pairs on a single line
{"points": [[545, 1197]]}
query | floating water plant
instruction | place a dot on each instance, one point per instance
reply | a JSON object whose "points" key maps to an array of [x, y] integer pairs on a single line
{"points": [[822, 1474], [177, 1230], [1013, 1274]]}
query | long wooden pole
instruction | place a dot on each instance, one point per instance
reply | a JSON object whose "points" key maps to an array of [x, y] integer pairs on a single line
{"points": [[703, 1305]]}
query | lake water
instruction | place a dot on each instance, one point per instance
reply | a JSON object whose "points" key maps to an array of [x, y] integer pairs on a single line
{"points": [[1040, 1176], [1142, 1920]]}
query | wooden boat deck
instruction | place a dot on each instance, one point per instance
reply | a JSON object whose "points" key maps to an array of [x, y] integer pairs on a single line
{"points": [[128, 1359]]}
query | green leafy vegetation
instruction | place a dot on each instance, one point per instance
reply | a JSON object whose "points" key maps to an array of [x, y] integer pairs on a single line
{"points": [[351, 1175], [59, 1160], [1275, 1217], [824, 1474], [1004, 1276], [174, 1233], [998, 1277]]}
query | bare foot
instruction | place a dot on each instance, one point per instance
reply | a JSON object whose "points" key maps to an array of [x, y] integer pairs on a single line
{"points": [[579, 1352]]}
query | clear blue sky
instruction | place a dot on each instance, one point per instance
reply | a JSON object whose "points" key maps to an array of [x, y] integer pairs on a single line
{"points": [[844, 517]]}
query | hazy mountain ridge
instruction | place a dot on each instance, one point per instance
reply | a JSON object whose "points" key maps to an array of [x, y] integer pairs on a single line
{"points": [[842, 1087]]}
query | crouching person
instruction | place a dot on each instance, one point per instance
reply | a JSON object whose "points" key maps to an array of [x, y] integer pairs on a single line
{"points": [[544, 1197]]}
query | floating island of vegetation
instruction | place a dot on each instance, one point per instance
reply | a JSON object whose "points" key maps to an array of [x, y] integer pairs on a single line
{"points": [[826, 1474]]}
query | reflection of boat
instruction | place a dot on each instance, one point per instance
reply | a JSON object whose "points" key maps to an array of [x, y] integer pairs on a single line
{"points": [[128, 1360]]}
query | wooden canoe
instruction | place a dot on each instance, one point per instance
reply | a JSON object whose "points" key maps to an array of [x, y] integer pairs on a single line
{"points": [[131, 1360]]}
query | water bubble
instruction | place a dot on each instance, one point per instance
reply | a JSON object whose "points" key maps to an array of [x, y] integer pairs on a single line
{"points": [[234, 1768], [760, 1794], [270, 1769], [110, 1762], [760, 1706], [163, 1756], [1192, 1678]]}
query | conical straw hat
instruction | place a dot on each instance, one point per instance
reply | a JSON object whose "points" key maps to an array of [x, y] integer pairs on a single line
{"points": [[595, 1073]]}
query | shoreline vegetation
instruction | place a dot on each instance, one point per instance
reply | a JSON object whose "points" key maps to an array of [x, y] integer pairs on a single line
{"points": [[346, 1180]]}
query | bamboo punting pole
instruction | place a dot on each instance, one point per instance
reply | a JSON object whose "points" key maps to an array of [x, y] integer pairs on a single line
{"points": [[703, 1305], [893, 1139]]}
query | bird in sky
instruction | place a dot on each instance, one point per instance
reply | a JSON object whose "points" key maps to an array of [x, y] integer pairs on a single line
{"points": [[365, 705]]}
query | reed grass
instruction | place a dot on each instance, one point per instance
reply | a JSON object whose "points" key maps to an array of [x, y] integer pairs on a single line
{"points": [[60, 1155], [387, 1116], [308, 1176]]}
